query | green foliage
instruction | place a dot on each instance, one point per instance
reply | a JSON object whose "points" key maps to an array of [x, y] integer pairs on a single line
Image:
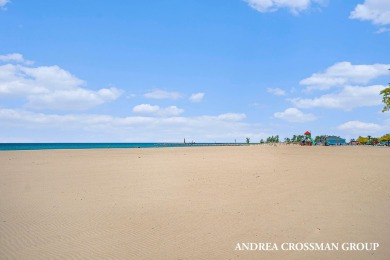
{"points": [[362, 140], [373, 140], [273, 139], [294, 139], [261, 141], [386, 98], [248, 140], [319, 138], [300, 138], [385, 138]]}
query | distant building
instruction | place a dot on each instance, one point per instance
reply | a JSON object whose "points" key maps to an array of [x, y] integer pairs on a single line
{"points": [[334, 140]]}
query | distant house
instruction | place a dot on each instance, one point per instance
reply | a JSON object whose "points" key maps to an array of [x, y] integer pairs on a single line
{"points": [[334, 140]]}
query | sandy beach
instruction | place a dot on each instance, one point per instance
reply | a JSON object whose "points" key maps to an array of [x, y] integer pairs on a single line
{"points": [[193, 203]]}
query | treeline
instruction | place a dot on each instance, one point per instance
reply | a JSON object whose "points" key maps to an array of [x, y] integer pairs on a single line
{"points": [[372, 140], [321, 138], [271, 139], [293, 139]]}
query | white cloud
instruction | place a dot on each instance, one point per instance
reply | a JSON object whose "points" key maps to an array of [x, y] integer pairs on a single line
{"points": [[382, 30], [295, 6], [376, 11], [109, 94], [197, 97], [223, 127], [145, 109], [294, 115], [15, 57], [359, 127], [50, 87], [171, 111], [4, 2], [231, 117], [344, 73], [156, 110], [162, 94], [17, 80], [350, 97], [77, 99], [276, 91]]}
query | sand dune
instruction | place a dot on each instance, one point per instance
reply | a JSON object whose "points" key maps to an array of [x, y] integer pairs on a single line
{"points": [[193, 203]]}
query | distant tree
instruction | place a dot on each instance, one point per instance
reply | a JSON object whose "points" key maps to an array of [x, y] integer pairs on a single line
{"points": [[385, 138], [294, 139], [369, 139], [362, 140], [386, 98], [248, 140], [287, 140], [319, 138], [273, 139], [261, 141]]}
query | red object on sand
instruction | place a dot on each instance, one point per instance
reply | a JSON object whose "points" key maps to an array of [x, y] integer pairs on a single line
{"points": [[307, 133]]}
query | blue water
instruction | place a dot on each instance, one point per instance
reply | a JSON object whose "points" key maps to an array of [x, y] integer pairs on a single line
{"points": [[47, 146]]}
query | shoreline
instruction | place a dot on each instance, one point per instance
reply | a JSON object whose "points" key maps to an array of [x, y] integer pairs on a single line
{"points": [[91, 146], [77, 146]]}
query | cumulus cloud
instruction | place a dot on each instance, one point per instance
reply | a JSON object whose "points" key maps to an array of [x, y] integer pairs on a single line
{"points": [[15, 57], [145, 108], [360, 127], [50, 87], [4, 2], [151, 128], [295, 6], [156, 110], [171, 111], [376, 11], [294, 115], [231, 117], [75, 99], [347, 99], [276, 91], [197, 97], [33, 120], [162, 94], [344, 73], [23, 116]]}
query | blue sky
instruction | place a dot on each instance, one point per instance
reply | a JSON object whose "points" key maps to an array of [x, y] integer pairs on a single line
{"points": [[207, 71]]}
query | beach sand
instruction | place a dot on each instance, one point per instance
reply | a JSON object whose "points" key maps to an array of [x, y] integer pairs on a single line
{"points": [[193, 203]]}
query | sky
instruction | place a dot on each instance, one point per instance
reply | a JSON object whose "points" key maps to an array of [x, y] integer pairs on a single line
{"points": [[207, 71]]}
